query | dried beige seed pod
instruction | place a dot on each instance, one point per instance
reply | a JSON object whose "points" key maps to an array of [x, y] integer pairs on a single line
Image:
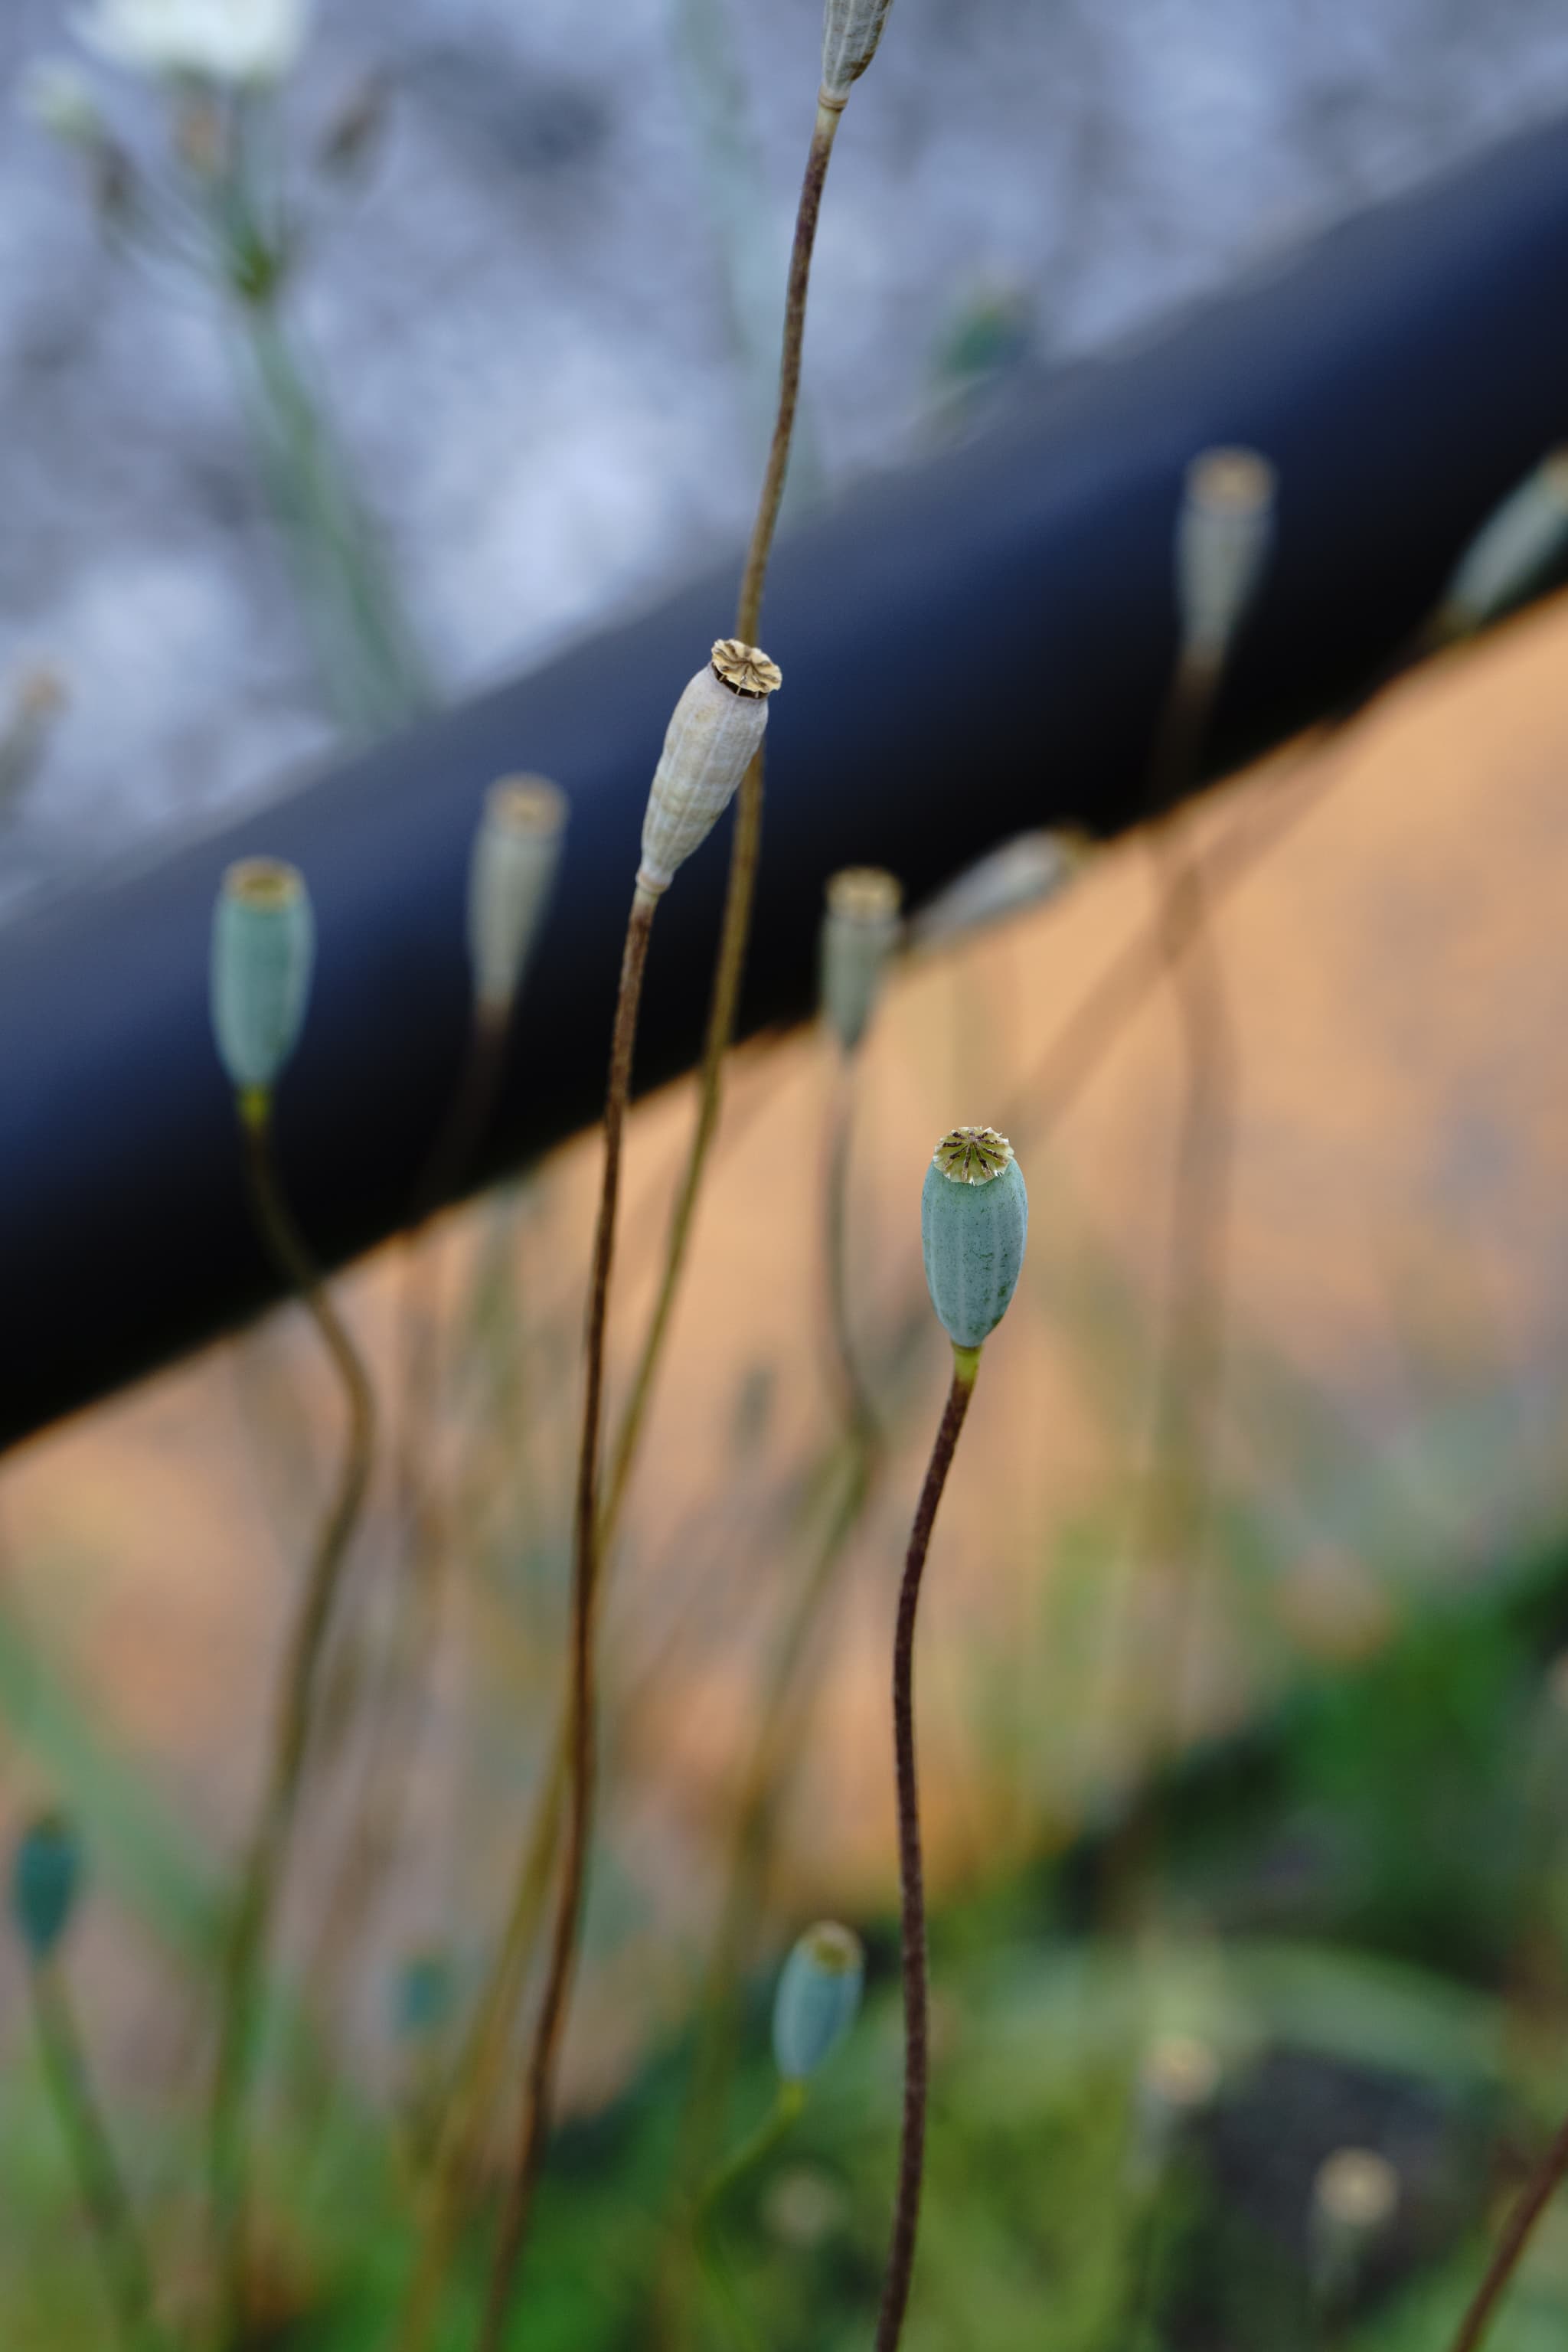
{"points": [[850, 32], [1513, 546], [1222, 537], [859, 933], [717, 726], [517, 849]]}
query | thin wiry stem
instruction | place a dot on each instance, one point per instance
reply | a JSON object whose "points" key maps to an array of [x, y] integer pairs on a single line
{"points": [[267, 1855], [396, 1714], [911, 1872], [1534, 2198], [127, 2273], [746, 841], [544, 2047]]}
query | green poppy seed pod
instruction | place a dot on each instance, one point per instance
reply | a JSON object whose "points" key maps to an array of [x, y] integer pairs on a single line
{"points": [[45, 1877], [1513, 546], [511, 872], [859, 933], [1224, 533], [850, 32], [708, 747], [264, 945], [974, 1217], [819, 1994]]}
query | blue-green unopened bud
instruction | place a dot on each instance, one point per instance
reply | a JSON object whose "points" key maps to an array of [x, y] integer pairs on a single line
{"points": [[264, 945], [1223, 536], [45, 1877], [974, 1217], [819, 1994], [425, 1995]]}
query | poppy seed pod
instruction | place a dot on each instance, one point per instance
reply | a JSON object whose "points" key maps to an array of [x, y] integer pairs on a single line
{"points": [[264, 945], [717, 726], [860, 933], [1513, 546], [511, 871], [1222, 537], [974, 1217], [46, 1876], [850, 32], [819, 1994]]}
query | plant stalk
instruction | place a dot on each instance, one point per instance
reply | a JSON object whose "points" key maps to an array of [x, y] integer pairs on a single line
{"points": [[544, 2047], [1534, 2198], [267, 1855], [912, 1873], [127, 2275], [746, 841]]}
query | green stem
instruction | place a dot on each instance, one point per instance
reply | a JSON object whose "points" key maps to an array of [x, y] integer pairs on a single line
{"points": [[912, 1870], [127, 2275], [266, 1858], [753, 2150], [543, 2054]]}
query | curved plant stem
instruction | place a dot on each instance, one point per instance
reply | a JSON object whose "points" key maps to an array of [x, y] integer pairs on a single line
{"points": [[860, 1417], [544, 2047], [753, 2149], [1535, 2197], [911, 1875], [267, 1855], [127, 2273], [746, 843]]}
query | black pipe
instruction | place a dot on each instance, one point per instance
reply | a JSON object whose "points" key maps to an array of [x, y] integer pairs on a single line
{"points": [[968, 649]]}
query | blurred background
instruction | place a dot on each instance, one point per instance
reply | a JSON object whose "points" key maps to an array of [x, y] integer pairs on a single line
{"points": [[1250, 1866]]}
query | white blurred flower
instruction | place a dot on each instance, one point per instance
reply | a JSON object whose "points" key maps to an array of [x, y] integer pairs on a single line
{"points": [[56, 94], [222, 40]]}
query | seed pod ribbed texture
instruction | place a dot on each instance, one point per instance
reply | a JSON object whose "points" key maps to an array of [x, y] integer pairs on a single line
{"points": [[517, 849], [850, 32], [974, 1219], [46, 1876], [1224, 533], [264, 946], [859, 933], [1518, 541], [717, 726], [819, 1994]]}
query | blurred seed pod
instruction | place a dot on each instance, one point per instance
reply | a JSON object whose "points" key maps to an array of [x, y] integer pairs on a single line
{"points": [[850, 32], [1026, 871], [819, 1994], [57, 96], [717, 726], [974, 1219], [424, 1995], [350, 143], [511, 872], [264, 944], [860, 933], [1516, 543], [1355, 2195], [46, 1878], [1224, 533]]}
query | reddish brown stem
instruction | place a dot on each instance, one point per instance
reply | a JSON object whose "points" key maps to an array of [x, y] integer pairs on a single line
{"points": [[1533, 2200], [912, 1873], [544, 2047]]}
